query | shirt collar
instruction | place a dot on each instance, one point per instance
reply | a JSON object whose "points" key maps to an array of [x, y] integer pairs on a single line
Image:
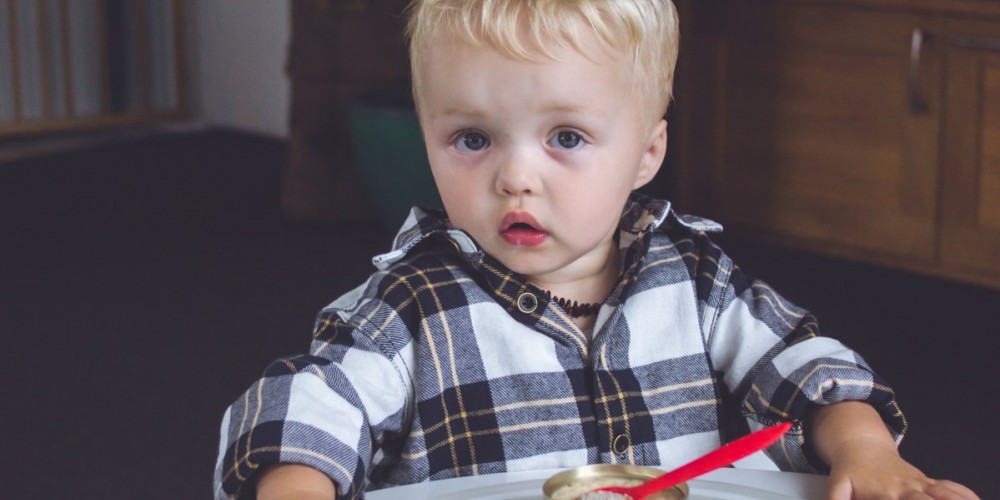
{"points": [[641, 214]]}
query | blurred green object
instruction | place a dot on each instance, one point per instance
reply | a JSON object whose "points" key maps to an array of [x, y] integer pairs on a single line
{"points": [[390, 154]]}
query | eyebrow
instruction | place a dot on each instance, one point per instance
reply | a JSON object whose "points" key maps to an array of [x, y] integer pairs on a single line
{"points": [[464, 113], [566, 108]]}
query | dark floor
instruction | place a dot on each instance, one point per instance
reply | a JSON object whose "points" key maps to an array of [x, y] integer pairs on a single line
{"points": [[144, 285]]}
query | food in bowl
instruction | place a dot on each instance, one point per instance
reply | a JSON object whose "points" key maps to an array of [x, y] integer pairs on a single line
{"points": [[577, 488]]}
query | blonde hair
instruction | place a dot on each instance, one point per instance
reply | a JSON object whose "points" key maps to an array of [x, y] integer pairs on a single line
{"points": [[646, 30]]}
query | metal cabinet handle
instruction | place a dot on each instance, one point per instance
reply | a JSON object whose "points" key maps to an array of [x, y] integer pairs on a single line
{"points": [[917, 104]]}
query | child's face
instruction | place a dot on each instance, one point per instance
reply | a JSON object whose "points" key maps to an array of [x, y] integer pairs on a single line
{"points": [[535, 159]]}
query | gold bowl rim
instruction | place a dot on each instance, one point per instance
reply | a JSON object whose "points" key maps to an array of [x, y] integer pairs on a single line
{"points": [[565, 477]]}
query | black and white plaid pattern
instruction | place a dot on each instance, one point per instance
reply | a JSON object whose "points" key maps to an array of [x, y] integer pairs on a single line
{"points": [[438, 367]]}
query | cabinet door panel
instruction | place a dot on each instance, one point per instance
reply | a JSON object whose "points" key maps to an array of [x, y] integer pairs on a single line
{"points": [[816, 140], [971, 161]]}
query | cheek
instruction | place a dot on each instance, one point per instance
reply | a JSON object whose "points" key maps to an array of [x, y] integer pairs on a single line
{"points": [[598, 216], [459, 197], [454, 203], [596, 206]]}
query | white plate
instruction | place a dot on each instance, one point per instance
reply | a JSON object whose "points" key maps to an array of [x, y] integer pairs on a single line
{"points": [[531, 489], [517, 490], [700, 490]]}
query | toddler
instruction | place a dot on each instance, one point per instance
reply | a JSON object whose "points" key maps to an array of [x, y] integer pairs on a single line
{"points": [[550, 316]]}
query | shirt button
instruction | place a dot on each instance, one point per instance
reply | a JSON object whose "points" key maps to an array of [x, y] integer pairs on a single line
{"points": [[621, 444], [527, 303]]}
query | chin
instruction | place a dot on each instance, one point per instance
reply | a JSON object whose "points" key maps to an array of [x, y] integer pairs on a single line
{"points": [[533, 266]]}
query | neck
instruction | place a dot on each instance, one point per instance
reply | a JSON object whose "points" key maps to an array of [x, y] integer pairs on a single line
{"points": [[590, 289]]}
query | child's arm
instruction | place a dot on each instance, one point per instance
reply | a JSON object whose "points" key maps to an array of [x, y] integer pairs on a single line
{"points": [[294, 482], [852, 438]]}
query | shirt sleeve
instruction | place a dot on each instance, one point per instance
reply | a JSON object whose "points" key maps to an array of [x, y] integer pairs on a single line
{"points": [[774, 361], [328, 409]]}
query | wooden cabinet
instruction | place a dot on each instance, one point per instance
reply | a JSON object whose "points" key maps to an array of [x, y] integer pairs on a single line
{"points": [[865, 131], [970, 187]]}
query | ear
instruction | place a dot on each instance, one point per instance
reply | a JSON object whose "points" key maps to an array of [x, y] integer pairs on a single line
{"points": [[652, 158]]}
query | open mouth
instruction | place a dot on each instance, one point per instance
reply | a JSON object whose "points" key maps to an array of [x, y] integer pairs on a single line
{"points": [[521, 229]]}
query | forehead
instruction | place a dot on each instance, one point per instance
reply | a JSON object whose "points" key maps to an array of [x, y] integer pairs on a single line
{"points": [[444, 50], [522, 38], [463, 79]]}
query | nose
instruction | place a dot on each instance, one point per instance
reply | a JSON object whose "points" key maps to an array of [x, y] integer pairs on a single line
{"points": [[516, 176]]}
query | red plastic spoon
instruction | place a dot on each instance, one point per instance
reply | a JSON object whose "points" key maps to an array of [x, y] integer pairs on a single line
{"points": [[721, 457]]}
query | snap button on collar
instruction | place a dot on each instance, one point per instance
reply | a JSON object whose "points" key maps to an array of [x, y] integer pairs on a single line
{"points": [[621, 444], [527, 302]]}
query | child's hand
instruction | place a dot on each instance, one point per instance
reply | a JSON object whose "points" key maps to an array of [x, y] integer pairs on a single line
{"points": [[865, 468], [864, 462]]}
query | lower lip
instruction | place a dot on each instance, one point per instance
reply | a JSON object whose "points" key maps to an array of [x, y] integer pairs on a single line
{"points": [[524, 237]]}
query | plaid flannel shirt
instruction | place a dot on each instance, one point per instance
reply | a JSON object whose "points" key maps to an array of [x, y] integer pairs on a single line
{"points": [[445, 363]]}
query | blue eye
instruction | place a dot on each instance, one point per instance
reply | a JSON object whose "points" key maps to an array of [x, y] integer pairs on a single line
{"points": [[472, 141], [567, 139]]}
